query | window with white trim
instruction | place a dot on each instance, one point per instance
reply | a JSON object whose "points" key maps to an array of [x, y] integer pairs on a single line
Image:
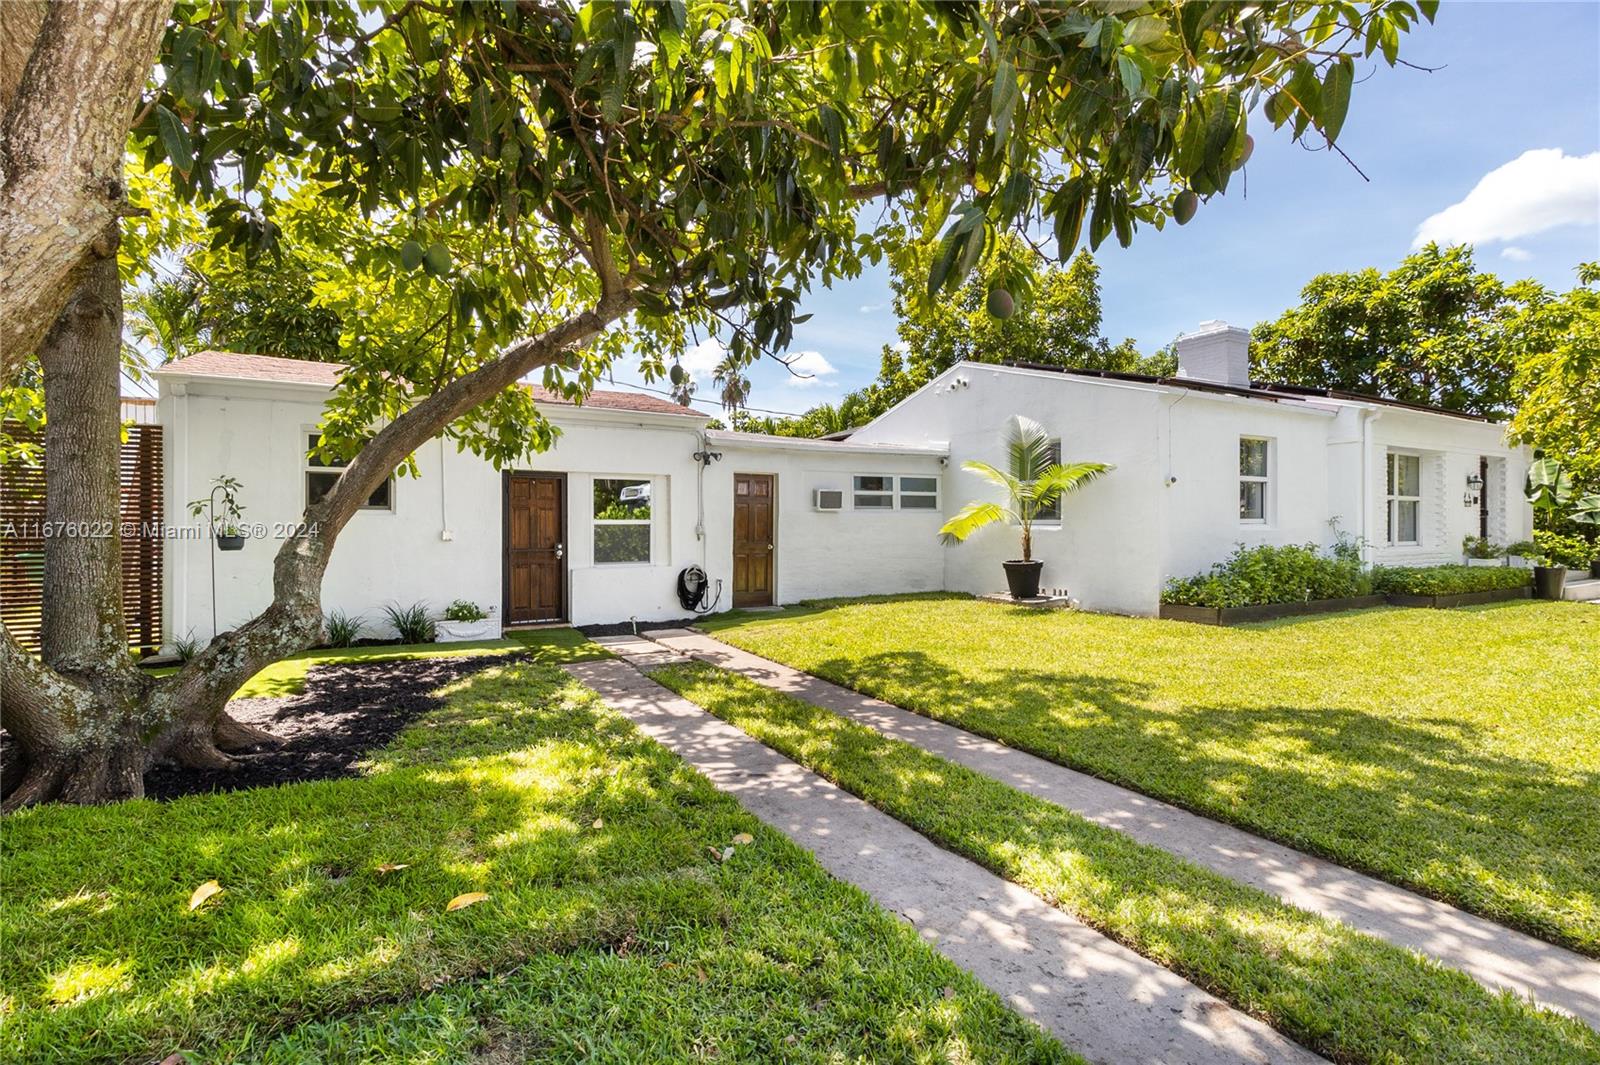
{"points": [[1255, 479], [323, 473], [1053, 511], [873, 492], [1404, 495], [622, 520], [919, 493]]}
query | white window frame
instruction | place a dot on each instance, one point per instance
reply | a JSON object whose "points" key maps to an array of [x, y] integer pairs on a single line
{"points": [[649, 523], [1051, 515], [887, 492], [1393, 500], [310, 466], [901, 493], [1264, 480]]}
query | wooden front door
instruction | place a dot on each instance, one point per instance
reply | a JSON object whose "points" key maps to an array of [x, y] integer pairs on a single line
{"points": [[753, 506], [535, 546]]}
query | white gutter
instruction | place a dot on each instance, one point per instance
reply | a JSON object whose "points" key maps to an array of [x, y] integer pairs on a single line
{"points": [[761, 441], [1368, 416]]}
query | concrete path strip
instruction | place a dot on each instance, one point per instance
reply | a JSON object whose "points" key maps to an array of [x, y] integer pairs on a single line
{"points": [[1096, 996], [1496, 956]]}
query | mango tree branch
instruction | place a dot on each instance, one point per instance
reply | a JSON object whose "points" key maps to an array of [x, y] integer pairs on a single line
{"points": [[192, 699]]}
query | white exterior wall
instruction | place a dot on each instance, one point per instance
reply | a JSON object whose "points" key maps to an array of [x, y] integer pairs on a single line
{"points": [[1449, 449], [824, 554], [256, 433], [1203, 524], [1107, 549]]}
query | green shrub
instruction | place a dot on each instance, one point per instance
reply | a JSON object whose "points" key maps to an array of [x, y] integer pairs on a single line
{"points": [[1521, 549], [340, 629], [464, 610], [1480, 547], [412, 623], [1295, 573], [1446, 580], [1574, 552]]}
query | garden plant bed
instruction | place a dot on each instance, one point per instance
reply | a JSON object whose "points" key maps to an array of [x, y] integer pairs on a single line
{"points": [[1237, 615], [347, 710], [1492, 595]]}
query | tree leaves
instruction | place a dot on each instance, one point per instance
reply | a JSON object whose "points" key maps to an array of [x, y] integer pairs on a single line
{"points": [[175, 139], [1336, 97], [461, 902]]}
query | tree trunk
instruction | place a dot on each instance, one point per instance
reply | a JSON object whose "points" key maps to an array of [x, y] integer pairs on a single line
{"points": [[90, 733], [95, 753]]}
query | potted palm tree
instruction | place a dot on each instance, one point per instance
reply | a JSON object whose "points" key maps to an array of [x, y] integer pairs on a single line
{"points": [[1549, 489], [1033, 480]]}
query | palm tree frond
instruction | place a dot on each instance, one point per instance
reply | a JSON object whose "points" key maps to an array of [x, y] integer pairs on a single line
{"points": [[991, 474], [1059, 480], [972, 517], [1027, 448]]}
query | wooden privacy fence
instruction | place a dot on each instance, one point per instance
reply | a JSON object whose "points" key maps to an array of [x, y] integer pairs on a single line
{"points": [[23, 534]]}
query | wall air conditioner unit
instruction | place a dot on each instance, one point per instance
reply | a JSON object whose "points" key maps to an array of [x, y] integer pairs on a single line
{"points": [[827, 499]]}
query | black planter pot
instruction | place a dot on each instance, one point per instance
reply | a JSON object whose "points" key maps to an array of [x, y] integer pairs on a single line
{"points": [[1023, 578], [229, 543], [1549, 582], [1594, 569]]}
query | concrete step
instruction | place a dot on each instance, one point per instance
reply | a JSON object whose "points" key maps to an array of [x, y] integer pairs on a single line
{"points": [[1581, 591]]}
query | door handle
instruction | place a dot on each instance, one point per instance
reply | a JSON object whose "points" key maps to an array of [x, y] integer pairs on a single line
{"points": [[561, 551]]}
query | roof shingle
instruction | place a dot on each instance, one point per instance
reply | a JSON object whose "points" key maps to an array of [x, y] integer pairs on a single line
{"points": [[240, 367]]}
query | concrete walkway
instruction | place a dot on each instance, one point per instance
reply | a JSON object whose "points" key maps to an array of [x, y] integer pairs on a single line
{"points": [[1496, 956], [1096, 996]]}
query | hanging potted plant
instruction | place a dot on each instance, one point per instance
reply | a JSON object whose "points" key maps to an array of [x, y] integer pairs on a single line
{"points": [[1033, 480], [1549, 489], [225, 513]]}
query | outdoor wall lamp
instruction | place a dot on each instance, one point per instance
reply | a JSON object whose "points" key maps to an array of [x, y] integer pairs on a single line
{"points": [[1474, 482], [706, 458]]}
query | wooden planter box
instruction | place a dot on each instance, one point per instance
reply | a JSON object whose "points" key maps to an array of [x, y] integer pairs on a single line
{"points": [[1493, 595], [1235, 615]]}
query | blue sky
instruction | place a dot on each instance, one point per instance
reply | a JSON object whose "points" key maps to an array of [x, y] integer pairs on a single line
{"points": [[1513, 78]]}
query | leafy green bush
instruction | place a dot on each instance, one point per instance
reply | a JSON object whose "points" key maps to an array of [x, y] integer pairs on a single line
{"points": [[464, 610], [1480, 547], [1574, 552], [1520, 549], [412, 622], [1446, 580], [340, 629], [1295, 573]]}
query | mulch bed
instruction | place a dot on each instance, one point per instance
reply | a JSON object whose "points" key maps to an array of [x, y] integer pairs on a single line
{"points": [[626, 628], [347, 710]]}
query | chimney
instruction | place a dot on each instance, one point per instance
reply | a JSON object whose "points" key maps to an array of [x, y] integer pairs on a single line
{"points": [[1216, 352]]}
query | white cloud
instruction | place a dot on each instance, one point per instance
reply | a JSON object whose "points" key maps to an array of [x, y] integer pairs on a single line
{"points": [[872, 308], [1515, 254], [1538, 190], [812, 366], [701, 360]]}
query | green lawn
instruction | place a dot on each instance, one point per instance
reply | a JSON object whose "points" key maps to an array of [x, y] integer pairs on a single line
{"points": [[613, 930], [1453, 751], [288, 676], [1350, 997]]}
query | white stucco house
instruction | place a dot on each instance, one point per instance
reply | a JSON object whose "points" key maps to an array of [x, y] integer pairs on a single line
{"points": [[598, 529]]}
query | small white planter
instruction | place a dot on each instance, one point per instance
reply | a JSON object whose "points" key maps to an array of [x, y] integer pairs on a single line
{"points": [[1519, 561], [462, 631], [1481, 562]]}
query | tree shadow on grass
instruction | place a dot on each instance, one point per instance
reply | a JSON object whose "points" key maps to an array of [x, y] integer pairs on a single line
{"points": [[1415, 802], [593, 844]]}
